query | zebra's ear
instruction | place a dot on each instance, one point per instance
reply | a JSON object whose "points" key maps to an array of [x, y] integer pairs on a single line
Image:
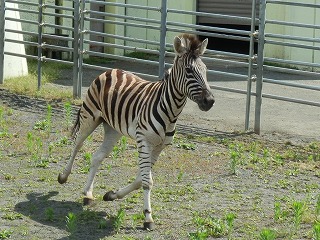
{"points": [[179, 45], [203, 46]]}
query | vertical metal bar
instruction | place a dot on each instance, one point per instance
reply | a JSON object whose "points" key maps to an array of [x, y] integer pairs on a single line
{"points": [[76, 20], [163, 33], [40, 25], [2, 39], [260, 60], [251, 61], [81, 52]]}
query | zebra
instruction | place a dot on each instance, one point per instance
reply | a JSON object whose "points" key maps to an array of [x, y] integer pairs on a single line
{"points": [[145, 111]]}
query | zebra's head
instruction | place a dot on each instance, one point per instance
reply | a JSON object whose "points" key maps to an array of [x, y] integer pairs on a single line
{"points": [[192, 71]]}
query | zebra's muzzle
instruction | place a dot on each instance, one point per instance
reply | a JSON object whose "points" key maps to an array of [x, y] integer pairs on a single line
{"points": [[205, 101]]}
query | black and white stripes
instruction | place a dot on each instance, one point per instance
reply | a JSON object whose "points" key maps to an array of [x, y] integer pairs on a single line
{"points": [[145, 111]]}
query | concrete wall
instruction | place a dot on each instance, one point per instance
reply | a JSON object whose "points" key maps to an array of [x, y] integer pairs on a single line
{"points": [[299, 15], [14, 66]]}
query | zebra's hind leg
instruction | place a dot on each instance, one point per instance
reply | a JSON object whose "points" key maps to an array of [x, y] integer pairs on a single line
{"points": [[110, 138], [85, 130], [112, 195]]}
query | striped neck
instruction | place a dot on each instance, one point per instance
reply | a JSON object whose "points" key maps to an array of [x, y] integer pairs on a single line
{"points": [[173, 100]]}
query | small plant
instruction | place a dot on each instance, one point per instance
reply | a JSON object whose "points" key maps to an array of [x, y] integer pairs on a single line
{"points": [[316, 231], [103, 224], [318, 207], [235, 155], [298, 210], [180, 175], [186, 145], [71, 222], [68, 112], [118, 220], [230, 222], [267, 234], [49, 214], [86, 167], [119, 148], [5, 234]]}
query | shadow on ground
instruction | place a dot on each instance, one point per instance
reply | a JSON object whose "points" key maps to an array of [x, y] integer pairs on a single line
{"points": [[36, 208]]}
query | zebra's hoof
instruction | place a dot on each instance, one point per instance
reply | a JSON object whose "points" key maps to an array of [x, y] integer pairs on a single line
{"points": [[149, 226], [61, 179], [108, 196], [87, 201]]}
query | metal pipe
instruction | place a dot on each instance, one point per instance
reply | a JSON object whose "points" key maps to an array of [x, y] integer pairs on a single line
{"points": [[163, 33], [298, 4], [23, 2], [81, 39], [126, 5], [122, 38], [40, 25], [296, 45], [75, 55], [123, 23], [293, 24], [129, 59], [210, 34], [288, 37], [276, 60], [155, 52], [260, 61], [251, 60], [2, 39]]}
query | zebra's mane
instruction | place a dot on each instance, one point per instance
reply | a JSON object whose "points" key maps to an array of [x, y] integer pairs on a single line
{"points": [[193, 42]]}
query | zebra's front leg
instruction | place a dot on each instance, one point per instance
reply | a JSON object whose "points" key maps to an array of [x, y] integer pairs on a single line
{"points": [[110, 139]]}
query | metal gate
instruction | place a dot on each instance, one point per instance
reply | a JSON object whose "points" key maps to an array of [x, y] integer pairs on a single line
{"points": [[129, 21]]}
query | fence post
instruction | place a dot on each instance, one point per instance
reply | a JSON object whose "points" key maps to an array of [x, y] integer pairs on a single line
{"points": [[260, 61], [2, 39], [40, 26], [251, 61], [163, 33], [81, 42], [76, 19]]}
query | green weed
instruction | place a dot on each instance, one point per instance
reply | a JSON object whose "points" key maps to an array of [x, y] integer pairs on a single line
{"points": [[86, 166], [49, 214], [118, 220], [5, 234], [267, 234], [316, 231], [119, 148], [71, 222]]}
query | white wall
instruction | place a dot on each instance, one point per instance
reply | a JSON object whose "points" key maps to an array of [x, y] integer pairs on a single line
{"points": [[14, 66], [298, 15]]}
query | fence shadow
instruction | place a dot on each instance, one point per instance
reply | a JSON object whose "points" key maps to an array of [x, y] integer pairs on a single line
{"points": [[87, 223]]}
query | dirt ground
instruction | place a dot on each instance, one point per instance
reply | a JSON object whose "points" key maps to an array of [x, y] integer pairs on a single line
{"points": [[204, 176]]}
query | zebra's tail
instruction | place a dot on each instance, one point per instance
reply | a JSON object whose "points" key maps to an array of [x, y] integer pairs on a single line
{"points": [[76, 125]]}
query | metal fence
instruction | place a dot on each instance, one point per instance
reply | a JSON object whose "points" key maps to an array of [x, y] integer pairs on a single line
{"points": [[84, 43]]}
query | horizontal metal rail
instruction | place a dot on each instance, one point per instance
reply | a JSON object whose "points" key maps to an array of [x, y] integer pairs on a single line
{"points": [[292, 24], [233, 37], [296, 4], [288, 44], [23, 2], [123, 23], [57, 26], [137, 49], [138, 40], [22, 21], [147, 76], [22, 10], [291, 84], [208, 28], [291, 62], [138, 19], [292, 71], [58, 15], [289, 37], [58, 7], [112, 56], [22, 42], [227, 74], [124, 5]]}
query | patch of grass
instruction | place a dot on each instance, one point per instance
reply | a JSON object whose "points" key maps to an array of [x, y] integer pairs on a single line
{"points": [[267, 234], [71, 222], [28, 85], [5, 234], [118, 220]]}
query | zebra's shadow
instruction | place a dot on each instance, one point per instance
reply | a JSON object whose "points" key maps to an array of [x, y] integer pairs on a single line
{"points": [[51, 213]]}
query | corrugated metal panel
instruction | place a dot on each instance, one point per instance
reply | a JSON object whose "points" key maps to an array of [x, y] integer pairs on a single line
{"points": [[240, 8]]}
